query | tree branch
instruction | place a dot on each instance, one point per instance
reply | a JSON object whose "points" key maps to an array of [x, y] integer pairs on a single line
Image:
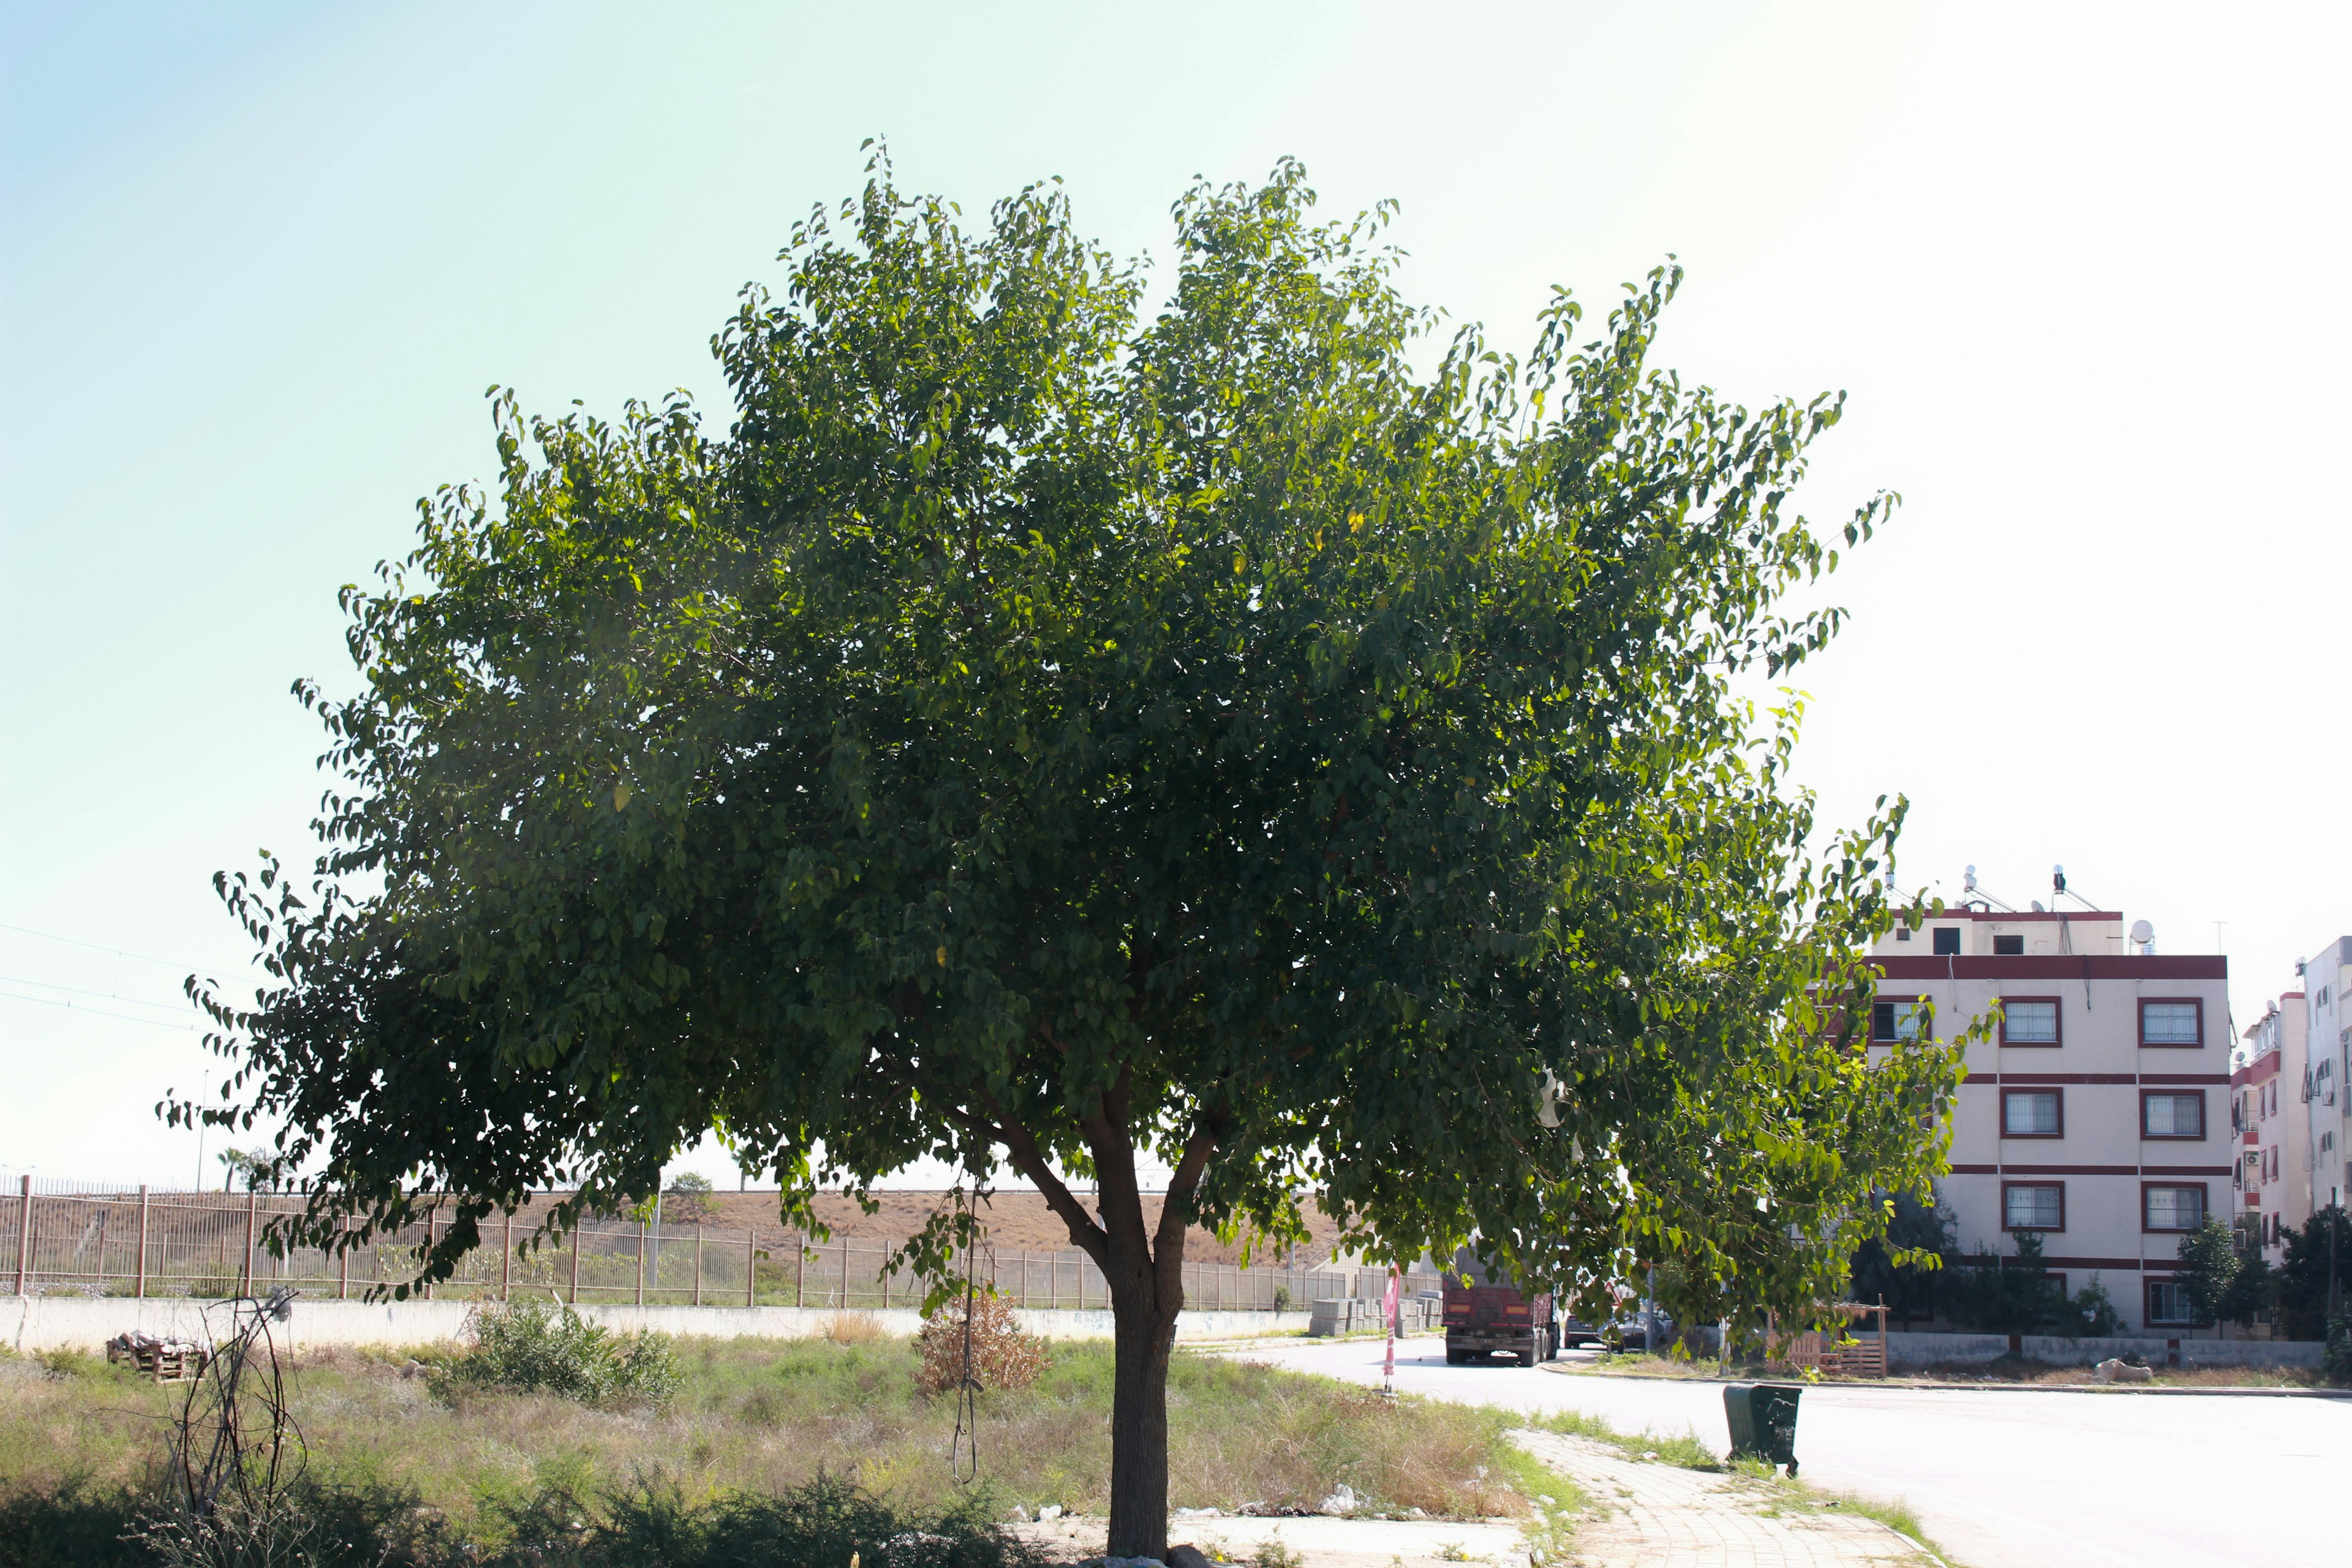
{"points": [[1031, 1160]]}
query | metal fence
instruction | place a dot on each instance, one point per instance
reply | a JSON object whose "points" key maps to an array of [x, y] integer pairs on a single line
{"points": [[212, 1244]]}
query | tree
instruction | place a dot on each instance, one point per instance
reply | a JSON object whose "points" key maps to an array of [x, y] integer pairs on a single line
{"points": [[1997, 1295], [1923, 1231], [1036, 734], [253, 1167], [2209, 1271], [2322, 1247], [686, 1199]]}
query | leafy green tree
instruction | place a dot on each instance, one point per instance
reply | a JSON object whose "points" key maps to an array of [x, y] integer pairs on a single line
{"points": [[1036, 733], [1921, 1230], [2323, 1246], [2210, 1266], [2092, 1311], [1994, 1294]]}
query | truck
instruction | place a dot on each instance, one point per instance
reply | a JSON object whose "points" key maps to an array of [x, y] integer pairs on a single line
{"points": [[1486, 1317]]}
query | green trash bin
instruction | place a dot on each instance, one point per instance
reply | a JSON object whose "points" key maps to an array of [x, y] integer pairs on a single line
{"points": [[1763, 1421]]}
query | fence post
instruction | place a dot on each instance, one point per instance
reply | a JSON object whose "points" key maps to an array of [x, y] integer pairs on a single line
{"points": [[505, 1259], [575, 1263], [140, 1290], [750, 1266], [698, 1263], [641, 1263], [432, 1220], [252, 1213], [845, 1271], [343, 1257], [23, 1234]]}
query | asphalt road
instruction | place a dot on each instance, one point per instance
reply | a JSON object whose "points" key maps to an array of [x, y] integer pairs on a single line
{"points": [[1999, 1480]]}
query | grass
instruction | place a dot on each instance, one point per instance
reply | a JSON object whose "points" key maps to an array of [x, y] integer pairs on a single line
{"points": [[751, 1419], [1685, 1452], [1786, 1494]]}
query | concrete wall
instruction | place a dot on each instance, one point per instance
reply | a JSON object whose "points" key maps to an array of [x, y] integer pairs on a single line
{"points": [[1919, 1349], [81, 1322]]}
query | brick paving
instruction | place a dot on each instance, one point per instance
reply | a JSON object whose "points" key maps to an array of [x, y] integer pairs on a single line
{"points": [[1647, 1515]]}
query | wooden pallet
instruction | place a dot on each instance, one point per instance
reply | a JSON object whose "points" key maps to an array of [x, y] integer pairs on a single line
{"points": [[165, 1361]]}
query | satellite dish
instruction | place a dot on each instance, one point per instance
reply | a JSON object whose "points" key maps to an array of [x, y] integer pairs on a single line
{"points": [[2144, 934], [1969, 881], [2037, 907]]}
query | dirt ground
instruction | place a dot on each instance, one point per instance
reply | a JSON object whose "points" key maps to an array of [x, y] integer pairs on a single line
{"points": [[1015, 1220]]}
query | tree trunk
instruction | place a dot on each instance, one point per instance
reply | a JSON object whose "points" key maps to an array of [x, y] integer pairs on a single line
{"points": [[1143, 1315]]}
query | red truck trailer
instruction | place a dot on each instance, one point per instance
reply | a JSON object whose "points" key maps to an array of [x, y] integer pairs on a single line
{"points": [[1487, 1317]]}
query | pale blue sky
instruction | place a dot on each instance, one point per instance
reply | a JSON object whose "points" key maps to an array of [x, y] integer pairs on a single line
{"points": [[2077, 267]]}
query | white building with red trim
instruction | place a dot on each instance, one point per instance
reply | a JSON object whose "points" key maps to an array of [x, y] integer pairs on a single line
{"points": [[2273, 1124], [2098, 1116]]}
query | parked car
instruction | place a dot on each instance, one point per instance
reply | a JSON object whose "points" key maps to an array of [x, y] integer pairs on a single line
{"points": [[1487, 1317], [1637, 1329], [1574, 1333]]}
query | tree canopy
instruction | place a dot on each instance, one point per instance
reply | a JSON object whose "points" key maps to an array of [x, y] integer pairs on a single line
{"points": [[1040, 731]]}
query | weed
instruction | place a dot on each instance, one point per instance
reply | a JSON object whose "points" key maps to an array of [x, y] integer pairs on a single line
{"points": [[540, 1347], [1275, 1552], [1685, 1452]]}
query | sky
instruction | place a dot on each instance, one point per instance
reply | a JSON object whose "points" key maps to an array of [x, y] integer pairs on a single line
{"points": [[2069, 262]]}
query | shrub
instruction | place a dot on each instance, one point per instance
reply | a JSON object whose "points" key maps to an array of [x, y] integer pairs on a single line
{"points": [[2335, 1361], [1002, 1354], [540, 1347]]}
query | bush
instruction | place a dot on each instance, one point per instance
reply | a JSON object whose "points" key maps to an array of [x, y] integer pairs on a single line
{"points": [[2335, 1361], [540, 1347], [1002, 1354], [817, 1525]]}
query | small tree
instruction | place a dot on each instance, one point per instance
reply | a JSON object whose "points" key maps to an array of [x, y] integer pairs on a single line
{"points": [[2209, 1271], [686, 1199], [254, 1167], [1923, 1233], [1037, 734], [2321, 1249], [1997, 1295]]}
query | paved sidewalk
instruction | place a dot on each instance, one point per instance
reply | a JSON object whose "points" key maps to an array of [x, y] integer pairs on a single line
{"points": [[1317, 1543], [1659, 1516]]}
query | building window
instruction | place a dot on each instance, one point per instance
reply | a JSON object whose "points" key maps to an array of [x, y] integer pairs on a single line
{"points": [[1893, 1021], [2171, 1208], [1903, 933], [2009, 947], [2173, 1023], [2032, 1113], [2029, 1020], [2171, 1114], [2033, 1205], [1947, 941], [2168, 1302]]}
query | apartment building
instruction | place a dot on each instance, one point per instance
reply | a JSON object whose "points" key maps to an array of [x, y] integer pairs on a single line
{"points": [[2272, 1122], [2328, 1056], [2096, 1117]]}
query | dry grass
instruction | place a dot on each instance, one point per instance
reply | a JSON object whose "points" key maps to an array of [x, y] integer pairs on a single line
{"points": [[759, 1416], [852, 1329]]}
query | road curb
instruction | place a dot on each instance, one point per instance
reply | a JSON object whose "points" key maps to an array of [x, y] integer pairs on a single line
{"points": [[2138, 1390]]}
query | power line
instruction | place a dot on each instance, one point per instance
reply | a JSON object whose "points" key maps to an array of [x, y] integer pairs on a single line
{"points": [[85, 991], [99, 1011], [95, 946]]}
